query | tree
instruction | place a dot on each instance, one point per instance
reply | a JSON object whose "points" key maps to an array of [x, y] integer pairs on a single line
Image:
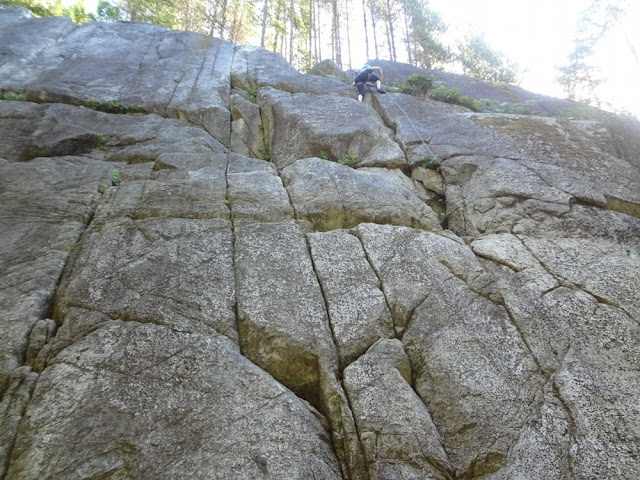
{"points": [[425, 26], [480, 61], [366, 34], [580, 78], [52, 9], [390, 21]]}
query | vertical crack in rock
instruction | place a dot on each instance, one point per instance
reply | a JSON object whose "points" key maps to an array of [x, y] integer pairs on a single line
{"points": [[340, 450], [241, 340], [282, 314], [12, 408], [293, 207], [573, 429], [380, 283], [18, 387]]}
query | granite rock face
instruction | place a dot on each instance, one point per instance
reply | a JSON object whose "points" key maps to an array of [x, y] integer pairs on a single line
{"points": [[214, 266]]}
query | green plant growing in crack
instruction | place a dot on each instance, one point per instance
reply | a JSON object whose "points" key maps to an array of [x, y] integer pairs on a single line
{"points": [[253, 96], [102, 141], [433, 162], [115, 177], [264, 152], [324, 155], [416, 362], [16, 96], [348, 159], [112, 106], [444, 220], [227, 202]]}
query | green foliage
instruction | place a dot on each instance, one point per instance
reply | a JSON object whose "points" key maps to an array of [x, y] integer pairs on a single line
{"points": [[227, 202], [253, 95], [264, 153], [112, 106], [480, 61], [432, 162], [102, 141], [115, 178], [348, 159], [453, 95], [324, 155], [415, 362], [444, 220], [418, 84], [52, 8], [425, 28], [14, 96], [580, 78], [107, 12]]}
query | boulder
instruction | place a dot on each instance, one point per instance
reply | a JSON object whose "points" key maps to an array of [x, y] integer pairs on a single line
{"points": [[577, 321], [27, 45], [411, 262], [142, 401], [329, 68], [357, 309], [255, 191], [332, 196], [177, 74], [46, 206], [303, 125], [466, 353], [399, 438]]}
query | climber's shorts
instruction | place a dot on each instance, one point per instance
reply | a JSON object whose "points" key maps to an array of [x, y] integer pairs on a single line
{"points": [[362, 87]]}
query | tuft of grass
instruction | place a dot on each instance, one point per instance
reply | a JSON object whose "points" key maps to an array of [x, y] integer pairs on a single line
{"points": [[102, 141], [453, 95], [264, 152], [444, 220], [115, 178], [16, 96], [348, 159], [433, 162]]}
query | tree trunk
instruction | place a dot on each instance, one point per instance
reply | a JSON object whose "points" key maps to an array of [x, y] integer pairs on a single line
{"points": [[393, 40], [386, 31], [348, 36], [337, 54], [292, 27], [407, 38], [318, 35], [223, 19], [373, 23], [366, 34], [264, 22]]}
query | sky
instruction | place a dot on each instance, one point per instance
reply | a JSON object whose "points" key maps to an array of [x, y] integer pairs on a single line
{"points": [[538, 36]]}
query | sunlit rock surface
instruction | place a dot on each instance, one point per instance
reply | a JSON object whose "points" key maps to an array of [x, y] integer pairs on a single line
{"points": [[214, 266]]}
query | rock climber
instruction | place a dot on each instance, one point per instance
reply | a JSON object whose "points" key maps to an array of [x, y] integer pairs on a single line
{"points": [[367, 76]]}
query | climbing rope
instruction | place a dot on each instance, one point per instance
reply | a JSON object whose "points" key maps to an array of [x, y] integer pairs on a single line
{"points": [[432, 153]]}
